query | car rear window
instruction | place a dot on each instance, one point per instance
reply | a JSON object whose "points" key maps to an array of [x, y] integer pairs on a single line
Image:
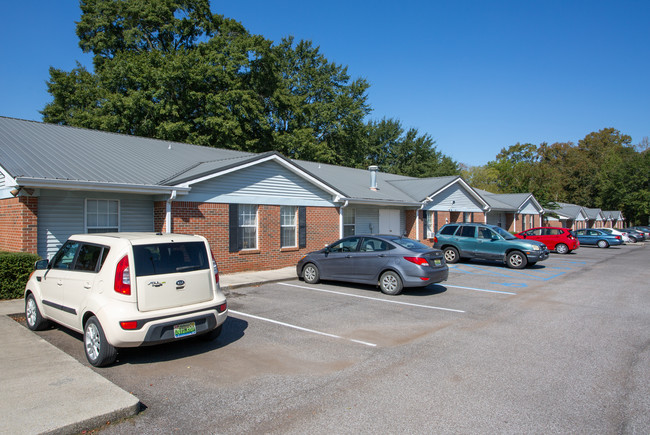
{"points": [[448, 230], [165, 258]]}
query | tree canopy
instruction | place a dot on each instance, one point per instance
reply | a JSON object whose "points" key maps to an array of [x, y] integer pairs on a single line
{"points": [[171, 69]]}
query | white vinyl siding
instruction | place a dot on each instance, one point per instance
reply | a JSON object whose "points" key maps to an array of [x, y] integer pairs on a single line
{"points": [[454, 198]]}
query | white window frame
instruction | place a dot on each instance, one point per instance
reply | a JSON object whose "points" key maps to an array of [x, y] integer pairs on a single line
{"points": [[289, 223], [102, 228], [347, 213], [430, 222], [246, 212]]}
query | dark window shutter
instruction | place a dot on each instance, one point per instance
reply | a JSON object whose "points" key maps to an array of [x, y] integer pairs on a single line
{"points": [[425, 220], [435, 222], [302, 227], [233, 227]]}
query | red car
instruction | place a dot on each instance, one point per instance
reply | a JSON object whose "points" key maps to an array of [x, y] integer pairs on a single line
{"points": [[560, 240]]}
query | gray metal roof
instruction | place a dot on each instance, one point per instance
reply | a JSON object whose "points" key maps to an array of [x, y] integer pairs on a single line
{"points": [[570, 211], [38, 150], [355, 183], [593, 213]]}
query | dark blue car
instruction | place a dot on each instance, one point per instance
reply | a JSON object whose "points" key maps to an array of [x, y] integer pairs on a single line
{"points": [[592, 236]]}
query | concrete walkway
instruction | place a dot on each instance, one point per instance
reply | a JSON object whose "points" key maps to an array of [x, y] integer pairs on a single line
{"points": [[44, 390]]}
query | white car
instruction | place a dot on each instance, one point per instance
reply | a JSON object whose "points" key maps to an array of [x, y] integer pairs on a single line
{"points": [[615, 232], [128, 290]]}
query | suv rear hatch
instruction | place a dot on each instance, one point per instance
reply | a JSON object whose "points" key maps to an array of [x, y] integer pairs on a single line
{"points": [[171, 275]]}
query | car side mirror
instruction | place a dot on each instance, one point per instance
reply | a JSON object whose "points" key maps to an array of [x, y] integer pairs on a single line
{"points": [[40, 265], [495, 237]]}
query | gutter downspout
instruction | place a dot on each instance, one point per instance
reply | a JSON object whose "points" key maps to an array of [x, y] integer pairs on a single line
{"points": [[168, 212], [341, 219]]}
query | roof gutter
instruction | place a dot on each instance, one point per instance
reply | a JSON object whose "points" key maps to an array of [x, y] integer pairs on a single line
{"points": [[378, 202], [98, 186]]}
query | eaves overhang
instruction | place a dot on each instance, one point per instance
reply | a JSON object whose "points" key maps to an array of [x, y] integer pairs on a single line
{"points": [[378, 202], [97, 186]]}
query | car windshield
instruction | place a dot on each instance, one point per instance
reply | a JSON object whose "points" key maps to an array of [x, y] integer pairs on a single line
{"points": [[409, 243], [503, 233]]}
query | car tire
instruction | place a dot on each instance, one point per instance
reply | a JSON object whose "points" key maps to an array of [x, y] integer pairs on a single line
{"points": [[99, 351], [561, 248], [33, 317], [390, 283], [516, 260], [310, 273], [451, 255], [212, 335], [603, 244]]}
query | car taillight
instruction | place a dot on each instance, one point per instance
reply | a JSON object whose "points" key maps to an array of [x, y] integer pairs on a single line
{"points": [[618, 237], [216, 269], [129, 325], [223, 307], [420, 261], [123, 277]]}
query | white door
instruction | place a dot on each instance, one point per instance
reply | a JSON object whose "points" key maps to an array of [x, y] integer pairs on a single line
{"points": [[389, 222]]}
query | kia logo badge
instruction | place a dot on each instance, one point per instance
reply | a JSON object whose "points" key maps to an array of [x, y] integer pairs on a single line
{"points": [[180, 282]]}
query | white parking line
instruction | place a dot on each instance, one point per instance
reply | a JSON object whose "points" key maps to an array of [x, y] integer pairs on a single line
{"points": [[479, 289], [300, 328], [372, 299]]}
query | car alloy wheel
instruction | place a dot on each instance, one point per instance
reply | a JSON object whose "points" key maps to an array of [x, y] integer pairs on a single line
{"points": [[390, 283], [603, 244], [561, 248], [311, 274], [516, 260], [451, 255]]}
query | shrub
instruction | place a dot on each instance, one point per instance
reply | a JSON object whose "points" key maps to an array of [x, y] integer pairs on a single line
{"points": [[15, 268]]}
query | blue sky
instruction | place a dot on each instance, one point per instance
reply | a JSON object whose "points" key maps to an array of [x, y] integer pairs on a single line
{"points": [[477, 76]]}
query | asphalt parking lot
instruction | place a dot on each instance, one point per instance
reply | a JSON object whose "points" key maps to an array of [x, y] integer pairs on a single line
{"points": [[559, 347]]}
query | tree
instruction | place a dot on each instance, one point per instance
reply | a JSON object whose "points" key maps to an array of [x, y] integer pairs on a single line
{"points": [[317, 111], [410, 153]]}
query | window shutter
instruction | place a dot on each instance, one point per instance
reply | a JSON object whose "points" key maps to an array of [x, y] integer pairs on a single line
{"points": [[302, 227], [425, 220], [233, 227]]}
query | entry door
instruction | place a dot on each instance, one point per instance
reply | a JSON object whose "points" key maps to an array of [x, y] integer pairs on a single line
{"points": [[389, 222]]}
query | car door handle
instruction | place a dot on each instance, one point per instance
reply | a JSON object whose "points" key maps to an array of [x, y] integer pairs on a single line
{"points": [[87, 285], [59, 283], [348, 256]]}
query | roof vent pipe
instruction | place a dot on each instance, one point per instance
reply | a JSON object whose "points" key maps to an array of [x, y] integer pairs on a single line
{"points": [[373, 176]]}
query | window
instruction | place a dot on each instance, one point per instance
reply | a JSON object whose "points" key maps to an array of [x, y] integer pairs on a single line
{"points": [[165, 258], [288, 226], [374, 245], [468, 231], [485, 233], [90, 257], [449, 230], [349, 221], [248, 226], [431, 230], [102, 215], [347, 245], [65, 257]]}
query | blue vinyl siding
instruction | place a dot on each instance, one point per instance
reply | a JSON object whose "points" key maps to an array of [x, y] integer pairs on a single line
{"points": [[454, 198], [266, 183], [61, 214]]}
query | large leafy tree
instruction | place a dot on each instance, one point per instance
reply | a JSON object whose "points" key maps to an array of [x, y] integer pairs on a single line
{"points": [[317, 112], [405, 152], [166, 69]]}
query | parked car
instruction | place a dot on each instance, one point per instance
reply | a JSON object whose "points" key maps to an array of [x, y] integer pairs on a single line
{"points": [[560, 240], [643, 230], [489, 242], [592, 236], [128, 290], [614, 231], [391, 262], [634, 235]]}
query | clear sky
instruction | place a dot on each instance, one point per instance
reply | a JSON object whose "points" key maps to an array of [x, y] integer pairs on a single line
{"points": [[476, 75]]}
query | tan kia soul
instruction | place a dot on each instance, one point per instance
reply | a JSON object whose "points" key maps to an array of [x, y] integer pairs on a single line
{"points": [[128, 290]]}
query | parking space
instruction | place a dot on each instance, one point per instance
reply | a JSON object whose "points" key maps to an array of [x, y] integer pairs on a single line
{"points": [[489, 345], [355, 313]]}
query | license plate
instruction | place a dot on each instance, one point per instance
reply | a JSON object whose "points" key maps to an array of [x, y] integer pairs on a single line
{"points": [[184, 329], [437, 262]]}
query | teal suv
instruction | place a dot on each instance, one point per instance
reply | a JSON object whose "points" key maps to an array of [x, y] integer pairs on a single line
{"points": [[488, 242]]}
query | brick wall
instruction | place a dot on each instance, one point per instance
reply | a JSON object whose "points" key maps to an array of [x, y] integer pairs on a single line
{"points": [[19, 224], [211, 221]]}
